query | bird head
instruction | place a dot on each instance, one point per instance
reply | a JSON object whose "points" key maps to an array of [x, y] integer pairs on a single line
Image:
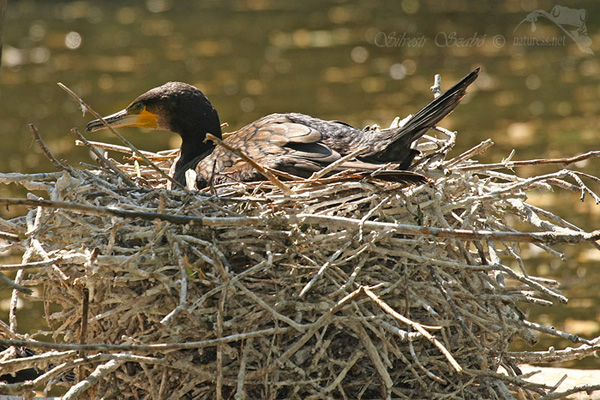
{"points": [[174, 106]]}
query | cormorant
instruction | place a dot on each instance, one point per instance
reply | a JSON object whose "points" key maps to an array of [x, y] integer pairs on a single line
{"points": [[293, 143]]}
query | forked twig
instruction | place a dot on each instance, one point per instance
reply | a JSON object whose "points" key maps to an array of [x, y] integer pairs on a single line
{"points": [[415, 325], [104, 161], [540, 161]]}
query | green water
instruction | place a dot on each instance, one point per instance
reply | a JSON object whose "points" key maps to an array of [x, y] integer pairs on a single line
{"points": [[361, 63]]}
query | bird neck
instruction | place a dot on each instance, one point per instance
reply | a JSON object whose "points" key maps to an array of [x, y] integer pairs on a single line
{"points": [[194, 147]]}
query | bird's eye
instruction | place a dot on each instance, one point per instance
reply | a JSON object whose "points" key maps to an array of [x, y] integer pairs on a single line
{"points": [[139, 106]]}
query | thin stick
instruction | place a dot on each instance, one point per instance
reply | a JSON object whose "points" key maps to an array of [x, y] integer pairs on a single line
{"points": [[182, 281], [262, 170], [437, 86], [125, 141], [568, 236], [47, 152], [479, 149], [14, 285], [246, 347], [100, 372], [276, 315], [305, 338], [552, 331], [568, 354], [575, 389], [337, 163], [540, 161], [374, 354], [415, 325], [104, 161], [323, 268], [35, 264], [158, 347], [161, 155], [415, 357], [8, 236]]}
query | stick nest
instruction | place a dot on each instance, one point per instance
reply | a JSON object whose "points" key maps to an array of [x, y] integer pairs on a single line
{"points": [[345, 289]]}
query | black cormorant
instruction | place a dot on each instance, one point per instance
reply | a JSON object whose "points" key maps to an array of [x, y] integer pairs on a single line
{"points": [[293, 143]]}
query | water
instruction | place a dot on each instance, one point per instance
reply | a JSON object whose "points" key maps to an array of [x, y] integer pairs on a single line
{"points": [[361, 63]]}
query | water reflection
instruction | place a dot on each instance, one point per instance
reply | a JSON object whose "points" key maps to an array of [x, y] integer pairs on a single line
{"points": [[361, 62]]}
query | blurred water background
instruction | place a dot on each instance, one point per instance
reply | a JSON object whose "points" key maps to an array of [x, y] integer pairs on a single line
{"points": [[359, 62]]}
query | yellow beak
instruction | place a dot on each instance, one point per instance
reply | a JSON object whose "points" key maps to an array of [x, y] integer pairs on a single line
{"points": [[142, 119]]}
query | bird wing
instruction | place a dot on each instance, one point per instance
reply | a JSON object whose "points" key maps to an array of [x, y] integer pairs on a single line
{"points": [[275, 142], [285, 143]]}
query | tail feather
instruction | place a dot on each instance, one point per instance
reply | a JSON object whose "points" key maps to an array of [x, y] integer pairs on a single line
{"points": [[396, 147], [439, 108]]}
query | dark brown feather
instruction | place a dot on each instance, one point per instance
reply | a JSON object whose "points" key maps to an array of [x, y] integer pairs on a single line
{"points": [[301, 145]]}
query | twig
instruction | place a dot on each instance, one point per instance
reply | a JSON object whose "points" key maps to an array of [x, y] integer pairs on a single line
{"points": [[17, 364], [342, 374], [85, 304], [403, 335], [415, 325], [324, 171], [374, 355], [479, 149], [554, 332], [14, 285], [540, 161], [553, 355], [584, 189], [220, 346], [182, 280], [246, 346], [47, 152], [276, 315], [517, 381], [35, 264], [104, 161], [159, 347], [440, 153], [571, 237], [437, 86], [93, 379], [9, 236], [422, 367], [575, 389], [321, 270], [161, 155]]}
